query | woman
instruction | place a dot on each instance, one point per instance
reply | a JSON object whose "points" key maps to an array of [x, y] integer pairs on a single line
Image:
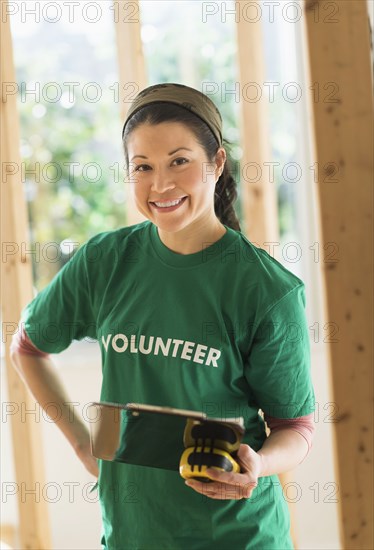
{"points": [[188, 314]]}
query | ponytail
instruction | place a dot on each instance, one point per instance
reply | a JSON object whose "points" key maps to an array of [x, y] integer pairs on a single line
{"points": [[225, 195]]}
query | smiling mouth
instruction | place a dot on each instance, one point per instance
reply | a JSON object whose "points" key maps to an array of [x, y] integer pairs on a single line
{"points": [[169, 203]]}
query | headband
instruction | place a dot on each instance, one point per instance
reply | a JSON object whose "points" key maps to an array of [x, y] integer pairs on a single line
{"points": [[191, 99]]}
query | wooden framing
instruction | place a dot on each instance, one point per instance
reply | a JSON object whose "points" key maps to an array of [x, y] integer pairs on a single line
{"points": [[259, 200], [132, 73], [8, 534], [16, 291], [340, 68]]}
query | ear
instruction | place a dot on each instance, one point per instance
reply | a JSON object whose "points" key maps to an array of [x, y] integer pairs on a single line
{"points": [[220, 160]]}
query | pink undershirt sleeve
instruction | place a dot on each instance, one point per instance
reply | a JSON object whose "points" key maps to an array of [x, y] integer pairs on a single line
{"points": [[22, 344], [304, 425]]}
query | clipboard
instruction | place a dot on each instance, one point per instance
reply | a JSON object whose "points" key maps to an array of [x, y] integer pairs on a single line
{"points": [[143, 434]]}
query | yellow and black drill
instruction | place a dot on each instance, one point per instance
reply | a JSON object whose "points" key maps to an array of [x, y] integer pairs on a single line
{"points": [[209, 444]]}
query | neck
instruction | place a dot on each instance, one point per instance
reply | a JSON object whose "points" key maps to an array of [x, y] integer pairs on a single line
{"points": [[193, 238]]}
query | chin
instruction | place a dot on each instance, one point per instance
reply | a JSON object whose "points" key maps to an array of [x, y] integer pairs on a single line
{"points": [[170, 227]]}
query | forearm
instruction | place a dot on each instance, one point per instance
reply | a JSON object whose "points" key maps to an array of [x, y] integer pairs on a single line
{"points": [[39, 375], [282, 451]]}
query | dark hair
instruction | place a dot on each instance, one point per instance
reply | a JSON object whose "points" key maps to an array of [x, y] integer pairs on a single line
{"points": [[226, 192]]}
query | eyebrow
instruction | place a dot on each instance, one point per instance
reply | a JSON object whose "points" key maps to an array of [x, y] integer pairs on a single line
{"points": [[171, 153]]}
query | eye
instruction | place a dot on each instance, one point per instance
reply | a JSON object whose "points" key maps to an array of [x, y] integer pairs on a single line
{"points": [[139, 167], [180, 158], [144, 167]]}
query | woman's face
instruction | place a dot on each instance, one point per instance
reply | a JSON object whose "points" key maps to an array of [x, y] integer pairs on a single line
{"points": [[167, 164]]}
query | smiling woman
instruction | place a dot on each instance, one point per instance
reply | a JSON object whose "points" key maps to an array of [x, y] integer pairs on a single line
{"points": [[164, 123], [175, 192], [194, 279]]}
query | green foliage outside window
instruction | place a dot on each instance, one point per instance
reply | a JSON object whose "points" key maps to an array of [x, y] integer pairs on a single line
{"points": [[75, 147]]}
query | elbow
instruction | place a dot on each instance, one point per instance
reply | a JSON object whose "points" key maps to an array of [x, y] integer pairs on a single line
{"points": [[15, 359], [22, 350], [15, 352]]}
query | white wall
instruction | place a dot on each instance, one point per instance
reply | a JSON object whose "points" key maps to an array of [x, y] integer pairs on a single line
{"points": [[317, 491], [74, 515]]}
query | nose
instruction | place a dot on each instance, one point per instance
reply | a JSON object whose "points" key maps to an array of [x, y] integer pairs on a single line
{"points": [[162, 181]]}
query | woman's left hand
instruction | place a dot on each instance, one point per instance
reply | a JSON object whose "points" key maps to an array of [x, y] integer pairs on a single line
{"points": [[229, 486]]}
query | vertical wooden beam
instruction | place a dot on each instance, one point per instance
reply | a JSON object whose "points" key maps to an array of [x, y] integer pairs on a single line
{"points": [[341, 80], [8, 535], [132, 73], [259, 200], [16, 292]]}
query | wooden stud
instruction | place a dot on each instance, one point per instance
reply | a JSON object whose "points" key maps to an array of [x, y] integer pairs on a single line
{"points": [[132, 74], [16, 292], [342, 103], [8, 534], [259, 200]]}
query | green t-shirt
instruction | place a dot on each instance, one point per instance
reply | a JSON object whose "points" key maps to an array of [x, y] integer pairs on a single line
{"points": [[221, 331]]}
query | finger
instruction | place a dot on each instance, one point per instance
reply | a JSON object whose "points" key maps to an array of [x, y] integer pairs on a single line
{"points": [[245, 455], [214, 490], [245, 451], [228, 477], [222, 491], [243, 489]]}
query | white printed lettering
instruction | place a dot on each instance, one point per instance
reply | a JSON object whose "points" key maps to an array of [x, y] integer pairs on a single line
{"points": [[106, 342], [187, 350], [199, 353], [213, 354], [125, 343], [147, 345]]}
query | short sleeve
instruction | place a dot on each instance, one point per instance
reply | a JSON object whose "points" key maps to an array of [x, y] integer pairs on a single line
{"points": [[62, 311], [278, 365]]}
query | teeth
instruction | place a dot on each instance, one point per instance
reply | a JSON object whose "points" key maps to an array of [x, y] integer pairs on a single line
{"points": [[169, 203]]}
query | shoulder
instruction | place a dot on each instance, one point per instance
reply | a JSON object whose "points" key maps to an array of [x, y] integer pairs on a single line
{"points": [[262, 285], [268, 273], [111, 244], [130, 232]]}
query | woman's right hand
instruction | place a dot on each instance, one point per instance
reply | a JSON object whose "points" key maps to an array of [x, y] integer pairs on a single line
{"points": [[83, 452], [40, 376]]}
